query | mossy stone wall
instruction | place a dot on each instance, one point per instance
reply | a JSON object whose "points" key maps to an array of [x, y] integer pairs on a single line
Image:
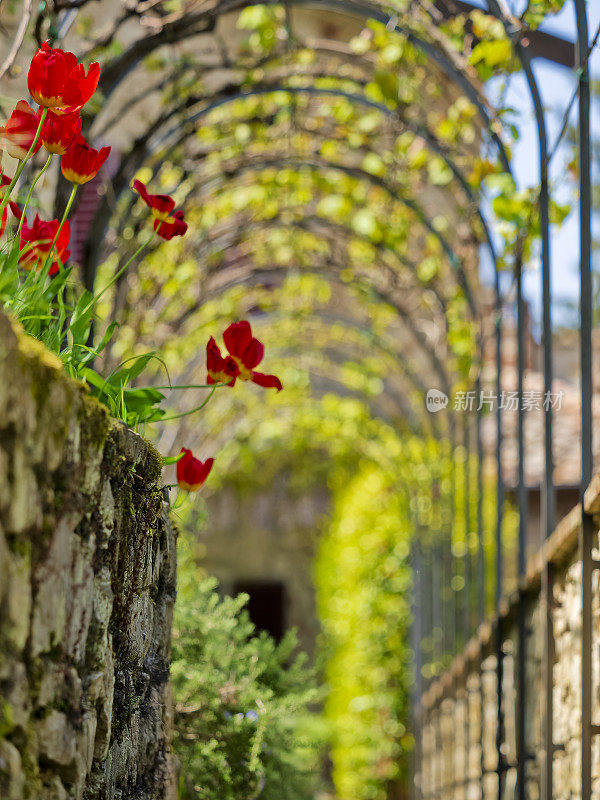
{"points": [[87, 586]]}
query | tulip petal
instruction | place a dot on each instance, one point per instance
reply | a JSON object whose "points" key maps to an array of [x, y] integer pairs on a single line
{"points": [[253, 354], [173, 226], [191, 472], [237, 338], [267, 381], [79, 87]]}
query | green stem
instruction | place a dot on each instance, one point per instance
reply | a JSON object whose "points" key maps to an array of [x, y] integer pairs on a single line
{"points": [[21, 166], [190, 386], [116, 277], [118, 274], [187, 413], [60, 227], [32, 187]]}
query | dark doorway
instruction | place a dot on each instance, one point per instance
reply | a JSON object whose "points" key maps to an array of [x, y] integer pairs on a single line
{"points": [[266, 605]]}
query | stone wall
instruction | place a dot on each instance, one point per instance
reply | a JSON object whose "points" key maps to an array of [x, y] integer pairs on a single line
{"points": [[87, 585], [269, 535], [459, 742]]}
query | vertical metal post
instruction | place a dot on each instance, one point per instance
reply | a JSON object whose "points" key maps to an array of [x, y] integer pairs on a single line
{"points": [[480, 543], [549, 502], [548, 493], [586, 310], [522, 547], [481, 582], [417, 645], [427, 580], [501, 763], [548, 669], [481, 727], [521, 488], [467, 512], [521, 698], [451, 629], [499, 544], [499, 478], [437, 584]]}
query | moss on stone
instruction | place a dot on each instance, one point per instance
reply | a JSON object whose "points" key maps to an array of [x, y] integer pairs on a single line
{"points": [[153, 465], [7, 721], [95, 424]]}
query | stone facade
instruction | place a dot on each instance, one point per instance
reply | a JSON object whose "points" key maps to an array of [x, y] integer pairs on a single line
{"points": [[87, 586], [459, 754], [269, 536]]}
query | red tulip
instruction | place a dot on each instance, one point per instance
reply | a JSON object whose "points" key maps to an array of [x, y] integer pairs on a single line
{"points": [[20, 130], [220, 370], [59, 131], [174, 226], [81, 162], [57, 80], [191, 472], [4, 181], [248, 352], [36, 242], [166, 224]]}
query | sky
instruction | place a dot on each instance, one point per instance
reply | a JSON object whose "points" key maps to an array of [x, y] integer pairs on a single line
{"points": [[557, 85]]}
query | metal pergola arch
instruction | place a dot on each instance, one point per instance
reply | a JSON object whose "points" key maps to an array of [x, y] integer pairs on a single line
{"points": [[479, 449], [332, 272], [371, 11], [498, 332]]}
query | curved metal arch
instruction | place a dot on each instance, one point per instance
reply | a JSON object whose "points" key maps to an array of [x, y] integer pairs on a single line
{"points": [[409, 411], [449, 253], [418, 129], [401, 311], [258, 224], [365, 10], [403, 314], [360, 174], [429, 139], [231, 432], [406, 410]]}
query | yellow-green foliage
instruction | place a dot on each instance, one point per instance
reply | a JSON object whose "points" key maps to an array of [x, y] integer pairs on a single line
{"points": [[364, 588]]}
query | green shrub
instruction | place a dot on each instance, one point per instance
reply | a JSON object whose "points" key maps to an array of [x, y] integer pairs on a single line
{"points": [[364, 588], [242, 726]]}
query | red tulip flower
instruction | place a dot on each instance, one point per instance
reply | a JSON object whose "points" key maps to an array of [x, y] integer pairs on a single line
{"points": [[36, 242], [4, 181], [81, 162], [220, 370], [166, 224], [20, 130], [59, 131], [245, 351], [174, 226], [191, 472], [57, 80]]}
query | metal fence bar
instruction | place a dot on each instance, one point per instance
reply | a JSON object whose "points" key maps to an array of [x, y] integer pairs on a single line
{"points": [[522, 538], [417, 646], [467, 511], [586, 533], [500, 764], [548, 746], [480, 542], [548, 493]]}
